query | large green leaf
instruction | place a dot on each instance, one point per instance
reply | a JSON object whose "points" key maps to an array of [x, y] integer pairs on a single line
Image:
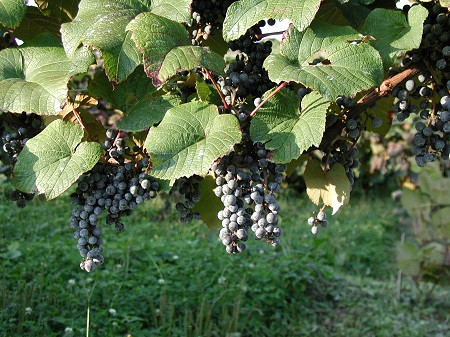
{"points": [[346, 68], [209, 204], [241, 15], [33, 78], [12, 12], [188, 140], [287, 129], [59, 10], [207, 93], [216, 43], [147, 112], [166, 48], [394, 34], [415, 202], [342, 14], [331, 12], [134, 98], [53, 160], [408, 259], [332, 187], [382, 110], [189, 57], [434, 185], [35, 23], [440, 220], [135, 88], [176, 10], [101, 24]]}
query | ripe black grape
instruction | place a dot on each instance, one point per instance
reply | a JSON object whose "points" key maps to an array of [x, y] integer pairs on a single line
{"points": [[247, 183], [318, 221], [189, 188], [118, 189], [16, 130], [246, 74], [207, 17]]}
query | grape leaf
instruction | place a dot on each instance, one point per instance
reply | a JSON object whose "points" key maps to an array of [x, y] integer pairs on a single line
{"points": [[135, 88], [408, 260], [441, 222], [61, 10], [331, 12], [434, 185], [189, 57], [134, 98], [147, 112], [241, 15], [287, 129], [332, 187], [176, 10], [53, 160], [346, 68], [393, 32], [101, 24], [93, 127], [188, 140], [206, 92], [342, 14], [216, 43], [382, 110], [166, 48], [356, 13], [291, 167], [35, 23], [33, 78], [12, 12], [411, 199], [209, 204]]}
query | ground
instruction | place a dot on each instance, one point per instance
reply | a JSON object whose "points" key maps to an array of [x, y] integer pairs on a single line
{"points": [[164, 278]]}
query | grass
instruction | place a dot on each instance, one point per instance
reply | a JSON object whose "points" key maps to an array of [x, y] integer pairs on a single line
{"points": [[164, 278]]}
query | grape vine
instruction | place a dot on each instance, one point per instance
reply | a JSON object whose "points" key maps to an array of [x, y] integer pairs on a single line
{"points": [[198, 96]]}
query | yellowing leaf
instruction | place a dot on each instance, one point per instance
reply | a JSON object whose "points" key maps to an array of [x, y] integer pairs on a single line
{"points": [[331, 187]]}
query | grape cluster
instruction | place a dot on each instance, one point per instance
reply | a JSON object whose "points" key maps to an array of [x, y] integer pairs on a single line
{"points": [[353, 126], [16, 131], [118, 189], [189, 188], [428, 94], [247, 184], [231, 182], [21, 198], [22, 128], [433, 127], [435, 46], [208, 16], [345, 155], [246, 74], [115, 146], [319, 220]]}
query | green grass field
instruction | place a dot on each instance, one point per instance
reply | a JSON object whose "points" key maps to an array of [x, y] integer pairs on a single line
{"points": [[164, 278]]}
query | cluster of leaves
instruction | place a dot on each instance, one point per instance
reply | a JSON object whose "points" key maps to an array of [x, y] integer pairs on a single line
{"points": [[429, 207], [163, 90]]}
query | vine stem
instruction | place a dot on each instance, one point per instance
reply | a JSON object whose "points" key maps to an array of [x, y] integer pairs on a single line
{"points": [[225, 104], [273, 93], [262, 36], [79, 120], [365, 102]]}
